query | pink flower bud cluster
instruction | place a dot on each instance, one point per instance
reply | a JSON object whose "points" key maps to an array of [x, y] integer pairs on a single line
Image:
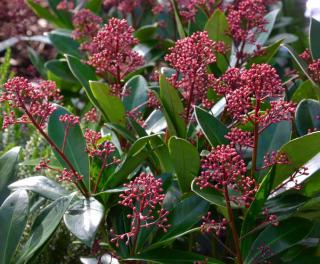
{"points": [[190, 58], [209, 225], [113, 52], [144, 195], [238, 137], [222, 169], [66, 5], [95, 148], [246, 19], [69, 119], [245, 90], [91, 116], [69, 176], [274, 158], [87, 25], [313, 65], [34, 99], [270, 218]]}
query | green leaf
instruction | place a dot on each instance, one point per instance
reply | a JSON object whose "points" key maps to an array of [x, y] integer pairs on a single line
{"points": [[41, 185], [177, 17], [314, 38], [272, 138], [83, 219], [44, 226], [94, 5], [110, 105], [310, 146], [307, 90], [218, 30], [267, 55], [173, 108], [212, 128], [8, 169], [307, 116], [75, 144], [13, 218], [61, 69], [254, 210], [182, 218], [170, 256], [64, 16], [280, 238], [63, 42], [209, 194], [84, 73], [137, 89], [44, 13], [145, 33], [186, 161]]}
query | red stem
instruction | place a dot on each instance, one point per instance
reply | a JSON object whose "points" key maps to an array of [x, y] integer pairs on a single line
{"points": [[255, 139], [100, 173]]}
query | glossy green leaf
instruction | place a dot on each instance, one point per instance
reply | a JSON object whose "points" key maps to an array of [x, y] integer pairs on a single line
{"points": [[307, 116], [254, 210], [310, 146], [186, 161], [94, 5], [218, 30], [8, 170], [64, 16], [178, 21], [212, 128], [209, 194], [170, 256], [173, 108], [307, 90], [268, 54], [41, 185], [145, 33], [84, 73], [13, 218], [137, 89], [44, 226], [110, 105], [75, 144], [63, 42], [83, 219], [61, 69], [314, 38], [280, 238], [182, 218], [272, 139]]}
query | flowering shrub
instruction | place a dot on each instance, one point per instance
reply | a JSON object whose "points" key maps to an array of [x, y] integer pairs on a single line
{"points": [[176, 132]]}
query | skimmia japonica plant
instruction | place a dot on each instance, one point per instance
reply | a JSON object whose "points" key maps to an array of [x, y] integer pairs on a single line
{"points": [[175, 131]]}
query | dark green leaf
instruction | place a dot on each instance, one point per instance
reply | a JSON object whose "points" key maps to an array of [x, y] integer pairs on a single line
{"points": [[314, 38], [37, 62], [8, 169], [110, 105], [177, 17], [84, 73], [307, 90], [44, 226], [186, 161], [63, 42], [60, 69], [137, 91], [173, 108], [182, 218], [41, 185], [212, 128], [75, 144], [209, 194], [279, 238], [145, 33], [83, 219], [307, 116], [94, 5], [13, 218]]}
